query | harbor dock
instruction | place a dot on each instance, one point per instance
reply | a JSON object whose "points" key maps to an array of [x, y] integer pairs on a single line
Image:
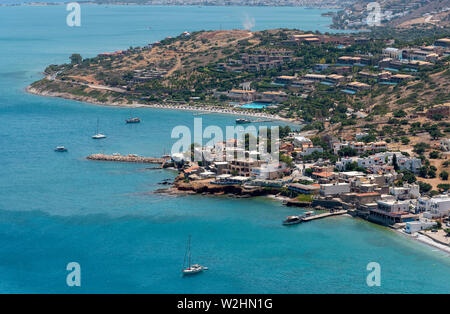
{"points": [[126, 158], [320, 216]]}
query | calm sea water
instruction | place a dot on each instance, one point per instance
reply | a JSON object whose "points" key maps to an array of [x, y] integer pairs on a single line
{"points": [[60, 208]]}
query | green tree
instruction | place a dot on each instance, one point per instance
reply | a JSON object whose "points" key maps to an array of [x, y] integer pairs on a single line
{"points": [[420, 148], [405, 140], [434, 155], [424, 187], [408, 176], [394, 162], [308, 171], [444, 175]]}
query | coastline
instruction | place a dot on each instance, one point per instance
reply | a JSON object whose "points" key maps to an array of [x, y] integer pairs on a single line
{"points": [[274, 4], [425, 240], [199, 110]]}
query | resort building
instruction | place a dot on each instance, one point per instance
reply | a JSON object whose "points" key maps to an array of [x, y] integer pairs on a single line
{"points": [[443, 42], [350, 60], [393, 53], [315, 77], [357, 86], [285, 79], [398, 78], [240, 94]]}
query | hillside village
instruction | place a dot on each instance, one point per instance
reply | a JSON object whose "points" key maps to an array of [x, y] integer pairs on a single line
{"points": [[375, 115], [367, 180]]}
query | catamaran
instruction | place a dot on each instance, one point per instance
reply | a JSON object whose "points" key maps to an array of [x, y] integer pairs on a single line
{"points": [[98, 136], [191, 269]]}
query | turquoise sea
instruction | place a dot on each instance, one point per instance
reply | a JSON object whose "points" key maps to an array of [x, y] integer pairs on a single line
{"points": [[60, 208]]}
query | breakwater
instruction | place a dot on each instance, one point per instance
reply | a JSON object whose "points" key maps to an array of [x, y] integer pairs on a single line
{"points": [[126, 158]]}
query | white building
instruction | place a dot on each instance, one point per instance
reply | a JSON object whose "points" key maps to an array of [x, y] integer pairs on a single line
{"points": [[435, 207], [393, 206], [269, 171], [381, 159], [299, 141], [445, 144], [415, 226], [334, 189], [359, 136], [309, 150], [407, 191], [393, 53]]}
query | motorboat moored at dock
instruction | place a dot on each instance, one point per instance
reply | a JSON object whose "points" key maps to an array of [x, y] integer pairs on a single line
{"points": [[292, 220]]}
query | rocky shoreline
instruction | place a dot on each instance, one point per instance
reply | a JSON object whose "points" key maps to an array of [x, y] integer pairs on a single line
{"points": [[205, 187]]}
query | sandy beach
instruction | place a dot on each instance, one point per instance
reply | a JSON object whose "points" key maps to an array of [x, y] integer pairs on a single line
{"points": [[199, 110]]}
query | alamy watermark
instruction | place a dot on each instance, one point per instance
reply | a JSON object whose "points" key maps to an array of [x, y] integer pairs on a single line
{"points": [[74, 17], [73, 278], [376, 15], [239, 143], [373, 279]]}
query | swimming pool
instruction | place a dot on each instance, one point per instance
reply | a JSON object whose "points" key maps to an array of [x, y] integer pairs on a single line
{"points": [[349, 91], [255, 105]]}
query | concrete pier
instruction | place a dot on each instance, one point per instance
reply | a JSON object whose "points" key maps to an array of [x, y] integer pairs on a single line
{"points": [[320, 216]]}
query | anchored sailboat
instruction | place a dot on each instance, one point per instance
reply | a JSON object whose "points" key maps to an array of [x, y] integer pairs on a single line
{"points": [[98, 136], [191, 269], [133, 119]]}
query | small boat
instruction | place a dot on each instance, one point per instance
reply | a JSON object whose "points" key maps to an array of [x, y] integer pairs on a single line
{"points": [[133, 120], [98, 136], [191, 269], [292, 220], [307, 214], [242, 121], [60, 149]]}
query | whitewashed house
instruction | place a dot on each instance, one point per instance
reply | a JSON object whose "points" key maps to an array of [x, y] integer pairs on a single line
{"points": [[435, 207]]}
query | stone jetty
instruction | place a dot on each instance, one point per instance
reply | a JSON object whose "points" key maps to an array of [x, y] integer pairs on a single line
{"points": [[127, 158]]}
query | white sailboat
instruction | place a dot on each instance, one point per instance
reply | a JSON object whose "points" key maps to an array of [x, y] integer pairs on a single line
{"points": [[98, 136], [191, 269]]}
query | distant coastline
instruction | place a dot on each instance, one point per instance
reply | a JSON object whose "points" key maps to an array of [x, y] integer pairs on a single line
{"points": [[193, 3]]}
